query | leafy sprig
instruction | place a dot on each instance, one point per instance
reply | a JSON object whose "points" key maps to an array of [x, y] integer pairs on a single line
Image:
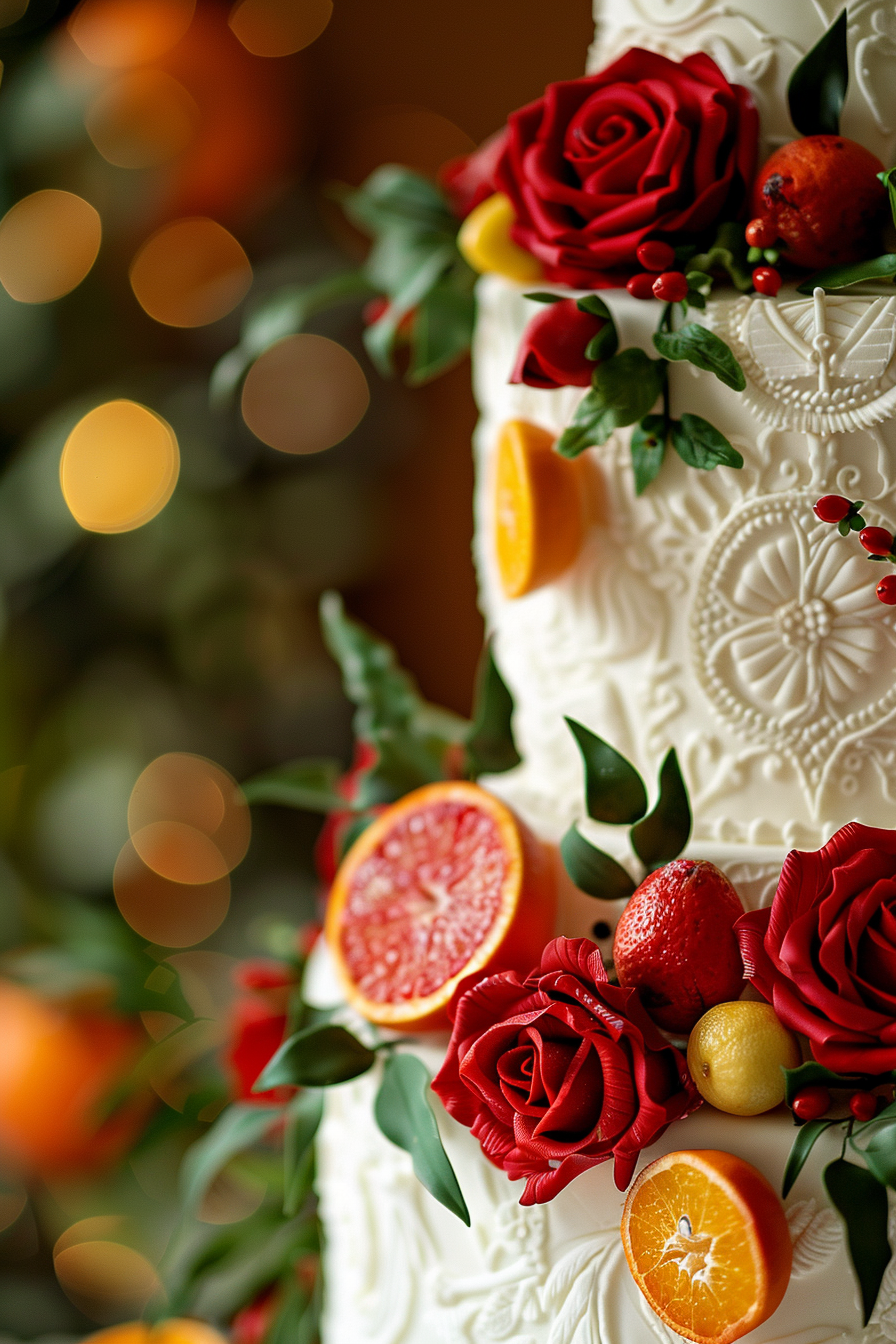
{"points": [[817, 88]]}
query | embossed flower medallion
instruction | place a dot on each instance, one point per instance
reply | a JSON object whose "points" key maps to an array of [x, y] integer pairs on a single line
{"points": [[789, 640]]}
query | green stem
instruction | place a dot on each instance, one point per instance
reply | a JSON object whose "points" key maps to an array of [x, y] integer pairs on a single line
{"points": [[847, 1135]]}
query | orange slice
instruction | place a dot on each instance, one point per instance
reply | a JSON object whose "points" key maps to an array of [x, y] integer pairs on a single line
{"points": [[707, 1242], [485, 242], [538, 508], [445, 883]]}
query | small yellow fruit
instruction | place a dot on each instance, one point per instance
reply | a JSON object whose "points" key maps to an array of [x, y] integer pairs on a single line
{"points": [[485, 242], [538, 511], [736, 1053]]}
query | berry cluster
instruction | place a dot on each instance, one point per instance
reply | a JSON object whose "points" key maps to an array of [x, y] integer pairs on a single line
{"points": [[877, 541], [762, 240], [658, 280], [811, 1103]]}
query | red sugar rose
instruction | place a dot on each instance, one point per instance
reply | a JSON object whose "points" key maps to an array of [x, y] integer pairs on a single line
{"points": [[824, 953], [552, 350], [648, 148], [558, 1072]]}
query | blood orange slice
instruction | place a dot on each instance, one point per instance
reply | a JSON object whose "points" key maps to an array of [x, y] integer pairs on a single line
{"points": [[445, 883]]}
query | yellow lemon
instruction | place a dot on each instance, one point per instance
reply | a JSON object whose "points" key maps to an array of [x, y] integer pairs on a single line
{"points": [[736, 1053], [485, 242], [538, 509]]}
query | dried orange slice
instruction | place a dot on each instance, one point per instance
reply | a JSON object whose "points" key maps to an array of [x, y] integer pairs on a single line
{"points": [[445, 883], [538, 508], [485, 242], [707, 1242]]}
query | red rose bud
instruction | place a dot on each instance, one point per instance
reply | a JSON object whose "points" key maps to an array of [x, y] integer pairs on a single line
{"points": [[811, 1103], [670, 287], [761, 233], [886, 590], [641, 286], [876, 540], [864, 1105], [552, 351], [656, 256], [469, 180], [766, 280], [831, 508]]}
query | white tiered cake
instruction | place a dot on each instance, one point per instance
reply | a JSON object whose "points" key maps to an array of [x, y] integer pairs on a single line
{"points": [[712, 613]]}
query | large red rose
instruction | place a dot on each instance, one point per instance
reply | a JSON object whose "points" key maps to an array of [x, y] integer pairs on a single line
{"points": [[648, 148], [824, 953], [560, 1071]]}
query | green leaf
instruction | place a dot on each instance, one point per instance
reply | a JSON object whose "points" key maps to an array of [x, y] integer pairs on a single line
{"points": [[237, 1128], [542, 296], [604, 345], [694, 299], [624, 389], [861, 1202], [308, 784], [802, 1146], [442, 330], [728, 253], [839, 277], [490, 744], [593, 871], [648, 448], [404, 1115], [699, 280], [811, 1074], [595, 306], [879, 1146], [663, 834], [889, 181], [705, 350], [396, 197], [700, 444], [817, 88], [408, 270], [614, 791], [303, 1117], [316, 1057]]}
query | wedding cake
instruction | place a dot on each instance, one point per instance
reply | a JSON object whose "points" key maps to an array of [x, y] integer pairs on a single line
{"points": [[715, 611]]}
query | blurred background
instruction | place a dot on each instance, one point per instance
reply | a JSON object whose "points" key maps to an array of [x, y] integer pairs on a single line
{"points": [[166, 172]]}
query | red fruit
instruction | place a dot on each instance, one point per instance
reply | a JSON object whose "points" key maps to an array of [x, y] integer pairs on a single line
{"points": [[251, 1324], [374, 309], [766, 280], [761, 233], [886, 590], [831, 508], [641, 286], [864, 1105], [822, 196], [876, 540], [656, 256], [675, 943], [811, 1103], [670, 287]]}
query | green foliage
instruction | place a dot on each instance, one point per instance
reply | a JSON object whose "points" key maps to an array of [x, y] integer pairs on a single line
{"points": [[840, 277], [861, 1202], [490, 744], [817, 88], [803, 1144], [664, 833], [729, 254], [236, 1129], [309, 784], [404, 1115], [592, 870], [303, 1116], [648, 449], [705, 350], [701, 445], [623, 390], [811, 1074], [316, 1056], [614, 791]]}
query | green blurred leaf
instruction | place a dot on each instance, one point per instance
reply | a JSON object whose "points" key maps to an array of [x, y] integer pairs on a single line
{"points": [[396, 197], [817, 88], [728, 253], [803, 1144], [648, 448], [317, 1056], [701, 445], [593, 871], [442, 330], [237, 1128], [490, 745], [623, 390], [861, 1202], [308, 784], [705, 350], [404, 1115], [839, 277], [614, 791], [303, 1116], [663, 834]]}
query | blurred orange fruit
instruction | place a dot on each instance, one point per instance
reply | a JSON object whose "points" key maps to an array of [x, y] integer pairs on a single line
{"points": [[707, 1241], [485, 241], [445, 882], [176, 1330], [59, 1070], [538, 508]]}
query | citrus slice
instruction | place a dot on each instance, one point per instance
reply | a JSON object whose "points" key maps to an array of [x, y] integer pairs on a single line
{"points": [[538, 508], [485, 242], [445, 883], [707, 1242]]}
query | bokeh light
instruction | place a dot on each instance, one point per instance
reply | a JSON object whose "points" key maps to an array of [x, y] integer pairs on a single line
{"points": [[279, 27], [171, 914], [304, 394], [142, 119], [11, 11], [48, 243], [190, 273], [119, 467], [180, 853], [182, 788], [12, 1203], [117, 34], [232, 1196], [99, 1272]]}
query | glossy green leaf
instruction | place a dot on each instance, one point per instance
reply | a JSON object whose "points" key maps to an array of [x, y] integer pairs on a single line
{"points": [[889, 181], [700, 444], [817, 88], [309, 785], [303, 1116], [811, 1074], [805, 1141], [316, 1057], [664, 832], [878, 1146], [728, 253], [543, 296], [840, 277], [408, 272], [593, 871], [648, 448], [624, 388], [237, 1128], [404, 1115], [490, 744], [442, 330], [614, 791], [705, 350], [593, 304], [861, 1201]]}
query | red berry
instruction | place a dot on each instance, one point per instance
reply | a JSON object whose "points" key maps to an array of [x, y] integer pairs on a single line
{"points": [[831, 508], [761, 233], [863, 1105], [766, 280], [641, 286], [876, 540], [656, 256], [886, 590], [671, 287], [811, 1103], [374, 309]]}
